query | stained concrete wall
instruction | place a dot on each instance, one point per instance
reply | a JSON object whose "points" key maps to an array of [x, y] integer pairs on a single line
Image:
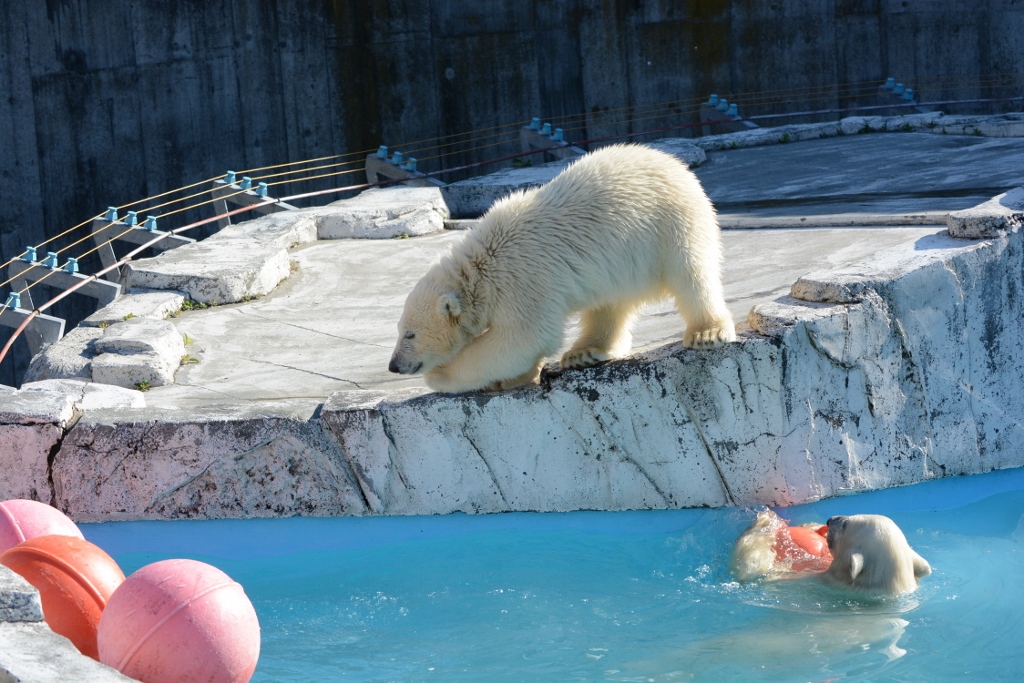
{"points": [[110, 102]]}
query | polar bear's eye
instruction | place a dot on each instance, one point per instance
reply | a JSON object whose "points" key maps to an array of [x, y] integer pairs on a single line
{"points": [[410, 335]]}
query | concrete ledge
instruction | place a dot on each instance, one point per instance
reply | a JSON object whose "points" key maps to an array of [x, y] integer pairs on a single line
{"points": [[19, 601], [33, 423], [384, 213], [153, 304], [1001, 214], [226, 463], [32, 653], [214, 271]]}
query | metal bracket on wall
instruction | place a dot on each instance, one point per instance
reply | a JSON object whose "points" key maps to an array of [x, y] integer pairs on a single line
{"points": [[380, 167], [42, 331], [107, 230], [541, 137], [724, 116], [241, 193]]}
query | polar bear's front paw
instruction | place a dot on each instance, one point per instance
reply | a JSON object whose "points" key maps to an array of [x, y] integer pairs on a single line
{"points": [[531, 376], [584, 358], [710, 337]]}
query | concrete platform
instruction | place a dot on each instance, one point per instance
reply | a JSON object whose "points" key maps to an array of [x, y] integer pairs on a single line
{"points": [[331, 325]]}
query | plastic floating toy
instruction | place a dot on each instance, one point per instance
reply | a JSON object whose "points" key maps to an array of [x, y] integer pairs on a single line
{"points": [[770, 547], [24, 519], [180, 620], [805, 548], [75, 579]]}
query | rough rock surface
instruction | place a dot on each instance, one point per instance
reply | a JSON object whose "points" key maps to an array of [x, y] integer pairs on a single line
{"points": [[32, 653], [383, 213], [138, 350], [228, 463], [19, 601], [1003, 213], [139, 303], [70, 357], [33, 423], [222, 271]]}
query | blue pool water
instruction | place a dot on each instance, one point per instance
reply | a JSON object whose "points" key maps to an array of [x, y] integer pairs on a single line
{"points": [[635, 596]]}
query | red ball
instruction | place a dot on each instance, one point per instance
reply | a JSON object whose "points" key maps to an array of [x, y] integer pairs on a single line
{"points": [[75, 579], [180, 620], [803, 548], [24, 519]]}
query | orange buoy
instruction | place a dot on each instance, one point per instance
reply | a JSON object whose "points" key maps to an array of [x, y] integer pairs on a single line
{"points": [[803, 548], [75, 579]]}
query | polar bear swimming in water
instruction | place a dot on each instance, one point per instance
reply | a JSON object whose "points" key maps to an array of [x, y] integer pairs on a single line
{"points": [[869, 555]]}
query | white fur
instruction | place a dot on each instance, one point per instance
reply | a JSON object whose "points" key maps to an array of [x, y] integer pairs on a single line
{"points": [[871, 555], [620, 227]]}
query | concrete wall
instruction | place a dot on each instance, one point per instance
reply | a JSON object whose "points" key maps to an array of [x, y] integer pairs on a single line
{"points": [[109, 102]]}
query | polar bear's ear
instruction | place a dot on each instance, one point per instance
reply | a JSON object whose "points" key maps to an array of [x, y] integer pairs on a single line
{"points": [[449, 305], [856, 565]]}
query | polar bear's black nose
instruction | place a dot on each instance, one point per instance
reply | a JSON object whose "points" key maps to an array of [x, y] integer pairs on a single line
{"points": [[393, 366], [834, 520]]}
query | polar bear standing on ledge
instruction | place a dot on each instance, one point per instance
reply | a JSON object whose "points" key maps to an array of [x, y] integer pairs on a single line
{"points": [[622, 226]]}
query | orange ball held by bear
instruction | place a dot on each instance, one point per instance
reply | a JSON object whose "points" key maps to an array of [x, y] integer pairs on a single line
{"points": [[803, 547], [180, 620], [75, 579], [24, 519]]}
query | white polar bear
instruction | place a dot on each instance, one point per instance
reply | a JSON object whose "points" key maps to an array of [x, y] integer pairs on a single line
{"points": [[622, 226], [869, 555]]}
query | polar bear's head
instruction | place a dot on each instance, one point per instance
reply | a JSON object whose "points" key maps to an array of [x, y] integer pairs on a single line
{"points": [[871, 554], [433, 327]]}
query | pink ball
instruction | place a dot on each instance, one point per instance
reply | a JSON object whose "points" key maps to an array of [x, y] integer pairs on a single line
{"points": [[180, 620], [21, 520]]}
